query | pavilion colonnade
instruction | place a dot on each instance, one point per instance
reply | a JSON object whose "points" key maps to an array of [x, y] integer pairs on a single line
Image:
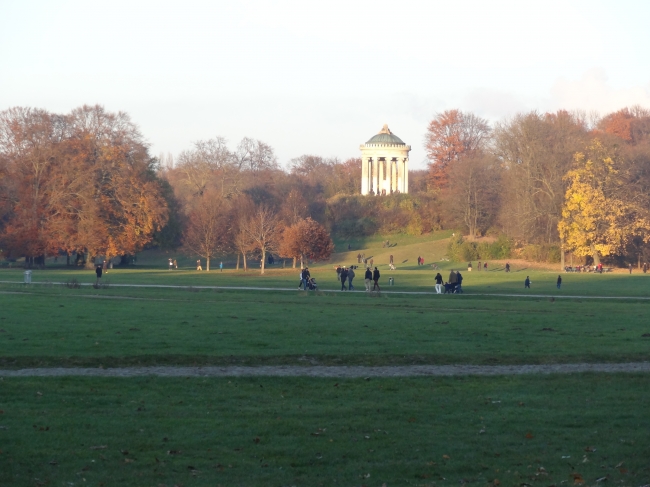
{"points": [[384, 175]]}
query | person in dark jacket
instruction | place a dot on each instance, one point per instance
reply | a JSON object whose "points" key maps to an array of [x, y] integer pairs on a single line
{"points": [[351, 275], [559, 282], [375, 277], [338, 272], [305, 277], [344, 276], [98, 271], [368, 278], [459, 283], [438, 279], [527, 283]]}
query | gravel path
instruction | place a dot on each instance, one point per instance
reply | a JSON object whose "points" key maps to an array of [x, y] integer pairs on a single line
{"points": [[329, 371], [294, 290]]}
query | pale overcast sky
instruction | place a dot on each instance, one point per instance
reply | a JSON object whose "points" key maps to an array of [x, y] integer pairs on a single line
{"points": [[320, 78]]}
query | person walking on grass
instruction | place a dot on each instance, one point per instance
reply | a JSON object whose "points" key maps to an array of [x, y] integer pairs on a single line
{"points": [[459, 282], [375, 277], [527, 283], [171, 264], [344, 276], [221, 266], [98, 272], [338, 272], [351, 275], [305, 277], [438, 279], [198, 265], [630, 267], [559, 282], [368, 278]]}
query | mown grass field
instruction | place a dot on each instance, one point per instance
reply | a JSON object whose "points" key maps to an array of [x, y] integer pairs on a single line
{"points": [[581, 429], [128, 326], [510, 431]]}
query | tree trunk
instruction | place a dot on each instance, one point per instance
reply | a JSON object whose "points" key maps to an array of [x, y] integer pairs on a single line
{"points": [[207, 264], [294, 262], [263, 260], [245, 263], [639, 261], [238, 256], [562, 266], [302, 265], [595, 255]]}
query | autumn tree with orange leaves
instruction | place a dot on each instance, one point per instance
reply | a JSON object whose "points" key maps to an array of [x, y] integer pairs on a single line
{"points": [[450, 135], [80, 182], [306, 239]]}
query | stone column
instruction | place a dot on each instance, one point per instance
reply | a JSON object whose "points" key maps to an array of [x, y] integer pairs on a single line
{"points": [[400, 173], [393, 175], [380, 186], [364, 175], [406, 174], [375, 179]]}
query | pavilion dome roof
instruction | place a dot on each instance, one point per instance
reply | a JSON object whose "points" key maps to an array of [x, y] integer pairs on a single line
{"points": [[385, 136]]}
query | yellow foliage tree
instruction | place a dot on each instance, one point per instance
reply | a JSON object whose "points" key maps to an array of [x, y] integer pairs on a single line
{"points": [[598, 217]]}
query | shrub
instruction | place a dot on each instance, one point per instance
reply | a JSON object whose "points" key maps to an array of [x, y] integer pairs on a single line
{"points": [[541, 253]]}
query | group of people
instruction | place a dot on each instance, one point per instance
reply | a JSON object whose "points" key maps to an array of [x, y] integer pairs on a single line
{"points": [[420, 260], [453, 286], [199, 267], [306, 281], [345, 274]]}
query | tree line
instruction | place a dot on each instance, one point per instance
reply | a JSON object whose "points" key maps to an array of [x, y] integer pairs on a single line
{"points": [[85, 184], [559, 179]]}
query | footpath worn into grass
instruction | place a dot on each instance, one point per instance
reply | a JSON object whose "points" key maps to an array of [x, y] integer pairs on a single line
{"points": [[68, 327], [510, 431]]}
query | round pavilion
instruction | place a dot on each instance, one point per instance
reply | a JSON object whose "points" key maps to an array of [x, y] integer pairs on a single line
{"points": [[384, 164]]}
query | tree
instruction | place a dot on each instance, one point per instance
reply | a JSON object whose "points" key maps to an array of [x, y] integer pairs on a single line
{"points": [[535, 152], [472, 191], [122, 205], [262, 229], [598, 217], [306, 239], [207, 226], [451, 134]]}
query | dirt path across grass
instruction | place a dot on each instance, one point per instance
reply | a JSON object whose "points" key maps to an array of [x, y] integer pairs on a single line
{"points": [[330, 371], [294, 290]]}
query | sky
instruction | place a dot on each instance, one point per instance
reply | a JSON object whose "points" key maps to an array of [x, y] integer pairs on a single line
{"points": [[320, 78]]}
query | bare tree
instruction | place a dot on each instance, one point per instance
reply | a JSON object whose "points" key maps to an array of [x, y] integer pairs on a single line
{"points": [[263, 230], [473, 190], [207, 227]]}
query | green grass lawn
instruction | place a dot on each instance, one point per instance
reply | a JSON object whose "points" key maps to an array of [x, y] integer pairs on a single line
{"points": [[523, 431], [122, 326], [510, 431]]}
